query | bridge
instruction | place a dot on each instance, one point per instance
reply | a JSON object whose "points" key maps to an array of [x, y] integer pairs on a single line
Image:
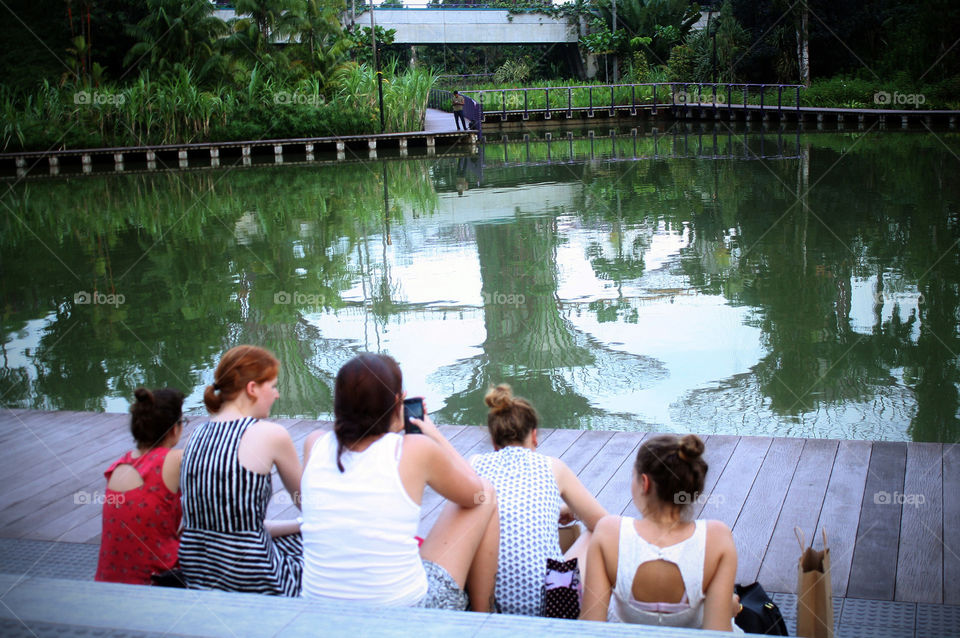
{"points": [[416, 25]]}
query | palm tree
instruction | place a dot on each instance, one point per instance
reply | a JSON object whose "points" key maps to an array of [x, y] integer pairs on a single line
{"points": [[177, 32], [320, 33], [267, 21]]}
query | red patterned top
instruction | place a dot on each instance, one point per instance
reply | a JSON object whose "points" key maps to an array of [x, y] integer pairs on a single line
{"points": [[140, 525]]}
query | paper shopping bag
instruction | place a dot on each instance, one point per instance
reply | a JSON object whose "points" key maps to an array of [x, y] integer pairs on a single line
{"points": [[814, 591]]}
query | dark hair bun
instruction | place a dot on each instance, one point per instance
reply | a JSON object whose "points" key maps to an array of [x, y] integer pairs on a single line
{"points": [[690, 447], [499, 399], [142, 395], [154, 414]]}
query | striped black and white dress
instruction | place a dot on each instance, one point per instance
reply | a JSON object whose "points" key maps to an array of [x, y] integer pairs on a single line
{"points": [[224, 544]]}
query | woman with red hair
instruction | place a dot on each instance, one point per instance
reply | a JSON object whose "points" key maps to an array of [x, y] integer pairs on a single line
{"points": [[225, 480]]}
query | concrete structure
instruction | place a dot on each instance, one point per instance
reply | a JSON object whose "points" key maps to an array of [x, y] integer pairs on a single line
{"points": [[462, 26], [471, 26]]}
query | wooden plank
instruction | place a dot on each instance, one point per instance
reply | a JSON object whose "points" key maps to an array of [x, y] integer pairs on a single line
{"points": [[588, 444], [718, 448], [873, 573], [754, 527], [920, 558], [726, 500], [801, 508], [615, 495], [57, 504], [40, 438], [951, 524], [559, 442], [617, 450], [840, 514], [65, 473]]}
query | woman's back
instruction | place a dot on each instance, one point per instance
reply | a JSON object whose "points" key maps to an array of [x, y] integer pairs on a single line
{"points": [[360, 525], [688, 558], [224, 544], [143, 518], [529, 503]]}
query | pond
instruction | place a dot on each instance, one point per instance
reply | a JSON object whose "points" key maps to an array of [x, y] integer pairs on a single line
{"points": [[779, 284]]}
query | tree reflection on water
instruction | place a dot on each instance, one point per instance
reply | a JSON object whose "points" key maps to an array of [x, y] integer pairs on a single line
{"points": [[844, 258]]}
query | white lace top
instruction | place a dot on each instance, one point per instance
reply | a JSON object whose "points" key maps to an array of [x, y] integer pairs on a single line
{"points": [[687, 555]]}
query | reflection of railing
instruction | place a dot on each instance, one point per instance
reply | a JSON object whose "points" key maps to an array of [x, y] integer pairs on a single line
{"points": [[472, 110], [570, 148], [630, 96]]}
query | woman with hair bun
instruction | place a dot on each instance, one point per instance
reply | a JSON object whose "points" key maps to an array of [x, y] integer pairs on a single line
{"points": [[363, 485], [663, 569], [141, 506], [226, 543], [532, 489]]}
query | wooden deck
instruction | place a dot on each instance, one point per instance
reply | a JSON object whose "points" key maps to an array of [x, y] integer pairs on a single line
{"points": [[891, 510]]}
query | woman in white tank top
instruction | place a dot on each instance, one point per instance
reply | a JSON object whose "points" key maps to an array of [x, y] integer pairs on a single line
{"points": [[362, 486], [663, 569]]}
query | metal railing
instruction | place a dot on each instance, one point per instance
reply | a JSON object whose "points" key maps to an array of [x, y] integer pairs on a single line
{"points": [[614, 97]]}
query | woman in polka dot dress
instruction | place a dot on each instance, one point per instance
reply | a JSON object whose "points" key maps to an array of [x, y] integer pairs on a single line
{"points": [[532, 489], [141, 506]]}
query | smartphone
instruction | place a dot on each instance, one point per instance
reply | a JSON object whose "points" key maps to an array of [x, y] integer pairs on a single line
{"points": [[412, 408]]}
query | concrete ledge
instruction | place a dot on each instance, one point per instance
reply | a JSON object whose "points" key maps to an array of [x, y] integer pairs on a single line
{"points": [[74, 607]]}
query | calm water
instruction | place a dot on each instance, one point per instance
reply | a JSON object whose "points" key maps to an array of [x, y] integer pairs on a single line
{"points": [[795, 285]]}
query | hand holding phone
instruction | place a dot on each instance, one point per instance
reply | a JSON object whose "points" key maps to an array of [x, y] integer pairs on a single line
{"points": [[412, 408]]}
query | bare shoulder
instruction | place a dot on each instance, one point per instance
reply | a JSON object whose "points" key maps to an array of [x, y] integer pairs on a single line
{"points": [[419, 446], [270, 430], [607, 527], [560, 469], [719, 533], [719, 542]]}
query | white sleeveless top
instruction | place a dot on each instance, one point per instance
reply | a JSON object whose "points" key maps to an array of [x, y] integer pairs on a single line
{"points": [[687, 555], [359, 526], [529, 503]]}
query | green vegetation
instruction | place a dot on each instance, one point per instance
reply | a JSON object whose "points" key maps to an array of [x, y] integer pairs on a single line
{"points": [[168, 71], [187, 76]]}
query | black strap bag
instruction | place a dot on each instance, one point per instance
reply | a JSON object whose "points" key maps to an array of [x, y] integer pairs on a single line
{"points": [[759, 615]]}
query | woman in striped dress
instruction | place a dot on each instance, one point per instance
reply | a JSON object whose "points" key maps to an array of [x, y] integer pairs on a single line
{"points": [[225, 480]]}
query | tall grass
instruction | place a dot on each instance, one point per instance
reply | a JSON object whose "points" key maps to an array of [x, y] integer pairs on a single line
{"points": [[177, 108]]}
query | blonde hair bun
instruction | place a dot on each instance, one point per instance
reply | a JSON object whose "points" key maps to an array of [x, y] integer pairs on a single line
{"points": [[499, 399]]}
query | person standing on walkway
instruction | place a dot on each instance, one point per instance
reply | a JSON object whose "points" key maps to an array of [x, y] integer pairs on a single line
{"points": [[458, 110]]}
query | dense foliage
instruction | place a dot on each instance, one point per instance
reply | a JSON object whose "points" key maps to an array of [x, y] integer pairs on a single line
{"points": [[284, 68], [90, 72]]}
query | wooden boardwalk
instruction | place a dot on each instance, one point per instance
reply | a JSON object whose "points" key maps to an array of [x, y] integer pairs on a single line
{"points": [[891, 510]]}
